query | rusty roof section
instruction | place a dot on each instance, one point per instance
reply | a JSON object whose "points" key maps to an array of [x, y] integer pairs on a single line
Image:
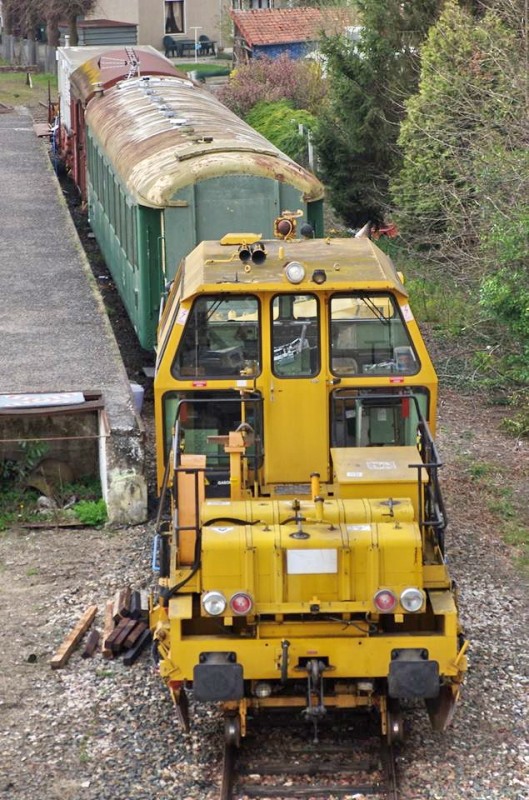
{"points": [[286, 25], [112, 65], [163, 134]]}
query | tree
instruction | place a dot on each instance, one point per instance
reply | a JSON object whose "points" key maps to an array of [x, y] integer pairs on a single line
{"points": [[22, 16], [356, 139], [465, 113]]}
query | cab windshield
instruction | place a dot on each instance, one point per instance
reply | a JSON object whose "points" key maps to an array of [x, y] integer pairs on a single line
{"points": [[221, 338], [369, 337]]}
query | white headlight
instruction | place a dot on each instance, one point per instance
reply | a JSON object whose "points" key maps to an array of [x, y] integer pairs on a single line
{"points": [[214, 603], [412, 599], [295, 272]]}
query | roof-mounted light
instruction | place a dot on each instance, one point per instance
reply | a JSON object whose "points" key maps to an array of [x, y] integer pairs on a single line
{"points": [[319, 276], [295, 272]]}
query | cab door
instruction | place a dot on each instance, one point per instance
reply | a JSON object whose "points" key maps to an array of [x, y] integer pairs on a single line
{"points": [[296, 407]]}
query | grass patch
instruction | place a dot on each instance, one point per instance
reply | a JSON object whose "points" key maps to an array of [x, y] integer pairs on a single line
{"points": [[479, 470], [17, 505], [32, 571], [498, 497], [14, 90], [91, 512], [80, 502], [205, 70]]}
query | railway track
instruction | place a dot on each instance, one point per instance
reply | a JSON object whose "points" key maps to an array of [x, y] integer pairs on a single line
{"points": [[347, 761]]}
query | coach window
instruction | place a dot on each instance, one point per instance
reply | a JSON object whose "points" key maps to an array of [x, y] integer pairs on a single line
{"points": [[295, 335], [221, 339]]}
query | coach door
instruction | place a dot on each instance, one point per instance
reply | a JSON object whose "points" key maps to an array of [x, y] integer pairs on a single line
{"points": [[296, 430]]}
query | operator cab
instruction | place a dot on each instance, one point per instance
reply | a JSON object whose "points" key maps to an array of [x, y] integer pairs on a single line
{"points": [[304, 364]]}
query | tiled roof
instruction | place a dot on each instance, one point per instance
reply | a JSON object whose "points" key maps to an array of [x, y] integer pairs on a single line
{"points": [[284, 25]]}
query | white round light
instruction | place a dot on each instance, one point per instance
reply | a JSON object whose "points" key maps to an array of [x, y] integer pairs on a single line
{"points": [[412, 599], [385, 601], [295, 272], [263, 689], [214, 603]]}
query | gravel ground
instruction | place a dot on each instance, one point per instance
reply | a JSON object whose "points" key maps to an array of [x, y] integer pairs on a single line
{"points": [[97, 730]]}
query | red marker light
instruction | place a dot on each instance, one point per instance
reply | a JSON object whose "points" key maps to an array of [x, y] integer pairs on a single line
{"points": [[385, 601], [241, 603]]}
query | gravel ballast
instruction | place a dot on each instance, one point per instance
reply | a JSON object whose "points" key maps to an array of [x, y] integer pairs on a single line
{"points": [[97, 730]]}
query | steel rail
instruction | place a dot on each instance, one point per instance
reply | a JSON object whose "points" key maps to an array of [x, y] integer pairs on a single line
{"points": [[382, 764]]}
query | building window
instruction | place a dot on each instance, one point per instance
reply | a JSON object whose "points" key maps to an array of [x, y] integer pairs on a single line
{"points": [[243, 5], [174, 16]]}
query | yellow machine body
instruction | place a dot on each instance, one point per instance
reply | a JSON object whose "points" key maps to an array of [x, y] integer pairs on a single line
{"points": [[295, 406]]}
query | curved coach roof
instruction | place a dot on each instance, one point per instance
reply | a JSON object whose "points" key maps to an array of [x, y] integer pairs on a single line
{"points": [[108, 66], [164, 133]]}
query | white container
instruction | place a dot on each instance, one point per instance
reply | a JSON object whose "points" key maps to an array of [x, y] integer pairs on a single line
{"points": [[137, 395]]}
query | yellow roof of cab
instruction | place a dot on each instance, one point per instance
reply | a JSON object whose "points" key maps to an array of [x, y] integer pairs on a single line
{"points": [[348, 263]]}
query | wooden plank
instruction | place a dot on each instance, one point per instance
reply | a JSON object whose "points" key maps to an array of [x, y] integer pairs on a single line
{"points": [[135, 604], [55, 524], [117, 643], [134, 635], [124, 602], [108, 627], [91, 644], [132, 654], [68, 646], [115, 633], [144, 594], [121, 604]]}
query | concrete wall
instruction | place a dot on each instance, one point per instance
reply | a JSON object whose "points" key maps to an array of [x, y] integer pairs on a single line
{"points": [[81, 445], [149, 15]]}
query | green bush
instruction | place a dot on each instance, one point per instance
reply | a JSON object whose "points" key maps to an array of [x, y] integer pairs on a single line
{"points": [[279, 122], [91, 512]]}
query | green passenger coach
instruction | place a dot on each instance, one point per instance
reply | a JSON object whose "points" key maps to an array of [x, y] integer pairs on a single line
{"points": [[169, 166]]}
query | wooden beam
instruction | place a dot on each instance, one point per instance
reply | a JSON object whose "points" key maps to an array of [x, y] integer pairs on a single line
{"points": [[121, 604], [123, 629], [91, 644], [108, 627], [132, 654], [134, 635], [69, 644]]}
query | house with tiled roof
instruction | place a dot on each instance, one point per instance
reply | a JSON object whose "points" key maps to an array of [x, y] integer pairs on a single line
{"points": [[295, 31]]}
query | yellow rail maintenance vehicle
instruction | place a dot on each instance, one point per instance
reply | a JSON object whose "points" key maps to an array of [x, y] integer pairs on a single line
{"points": [[301, 563]]}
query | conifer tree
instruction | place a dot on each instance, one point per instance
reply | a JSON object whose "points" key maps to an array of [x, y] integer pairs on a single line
{"points": [[370, 78], [465, 110]]}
